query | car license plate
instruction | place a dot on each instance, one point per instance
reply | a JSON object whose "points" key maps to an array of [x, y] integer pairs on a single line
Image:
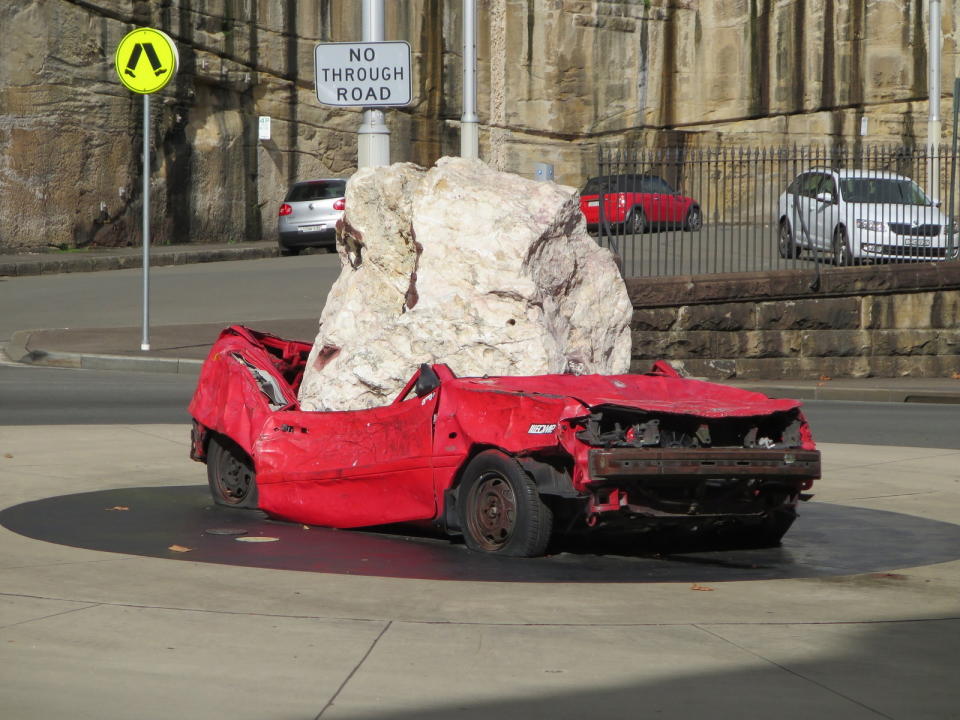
{"points": [[311, 228], [593, 203], [917, 242]]}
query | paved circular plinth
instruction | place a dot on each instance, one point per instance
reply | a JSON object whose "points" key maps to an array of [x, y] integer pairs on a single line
{"points": [[826, 540]]}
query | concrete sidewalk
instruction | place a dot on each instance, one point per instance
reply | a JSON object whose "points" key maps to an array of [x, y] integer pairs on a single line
{"points": [[182, 349], [113, 635], [121, 258], [173, 348]]}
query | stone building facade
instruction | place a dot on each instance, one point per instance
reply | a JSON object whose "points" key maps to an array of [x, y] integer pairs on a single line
{"points": [[556, 77]]}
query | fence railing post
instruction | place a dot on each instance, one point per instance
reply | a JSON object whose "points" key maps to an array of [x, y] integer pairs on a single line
{"points": [[739, 190]]}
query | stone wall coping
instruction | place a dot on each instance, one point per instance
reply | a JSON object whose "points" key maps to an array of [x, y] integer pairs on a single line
{"points": [[649, 292]]}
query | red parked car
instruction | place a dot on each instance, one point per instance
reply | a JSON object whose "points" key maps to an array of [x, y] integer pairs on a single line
{"points": [[638, 203], [503, 461]]}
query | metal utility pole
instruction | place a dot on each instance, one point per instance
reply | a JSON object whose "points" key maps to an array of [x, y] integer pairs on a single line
{"points": [[933, 123], [145, 61], [469, 122], [373, 143], [145, 337]]}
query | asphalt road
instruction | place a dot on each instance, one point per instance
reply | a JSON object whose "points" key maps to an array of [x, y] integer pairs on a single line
{"points": [[714, 249], [256, 290], [296, 287], [55, 396], [888, 424], [220, 292]]}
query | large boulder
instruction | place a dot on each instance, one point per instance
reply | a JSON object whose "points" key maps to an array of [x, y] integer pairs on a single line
{"points": [[488, 272]]}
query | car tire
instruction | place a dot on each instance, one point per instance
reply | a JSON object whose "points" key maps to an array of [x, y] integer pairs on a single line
{"points": [[288, 252], [786, 245], [694, 220], [500, 509], [842, 257], [230, 474], [636, 223]]}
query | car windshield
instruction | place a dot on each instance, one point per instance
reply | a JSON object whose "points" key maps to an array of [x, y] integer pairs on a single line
{"points": [[320, 190], [883, 190]]}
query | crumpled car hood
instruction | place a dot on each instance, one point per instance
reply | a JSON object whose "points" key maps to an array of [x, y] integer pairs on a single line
{"points": [[674, 395]]}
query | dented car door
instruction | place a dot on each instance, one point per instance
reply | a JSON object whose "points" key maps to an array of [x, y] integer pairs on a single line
{"points": [[350, 469]]}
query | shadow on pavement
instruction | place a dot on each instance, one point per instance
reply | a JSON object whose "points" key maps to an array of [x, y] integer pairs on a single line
{"points": [[826, 540], [901, 669]]}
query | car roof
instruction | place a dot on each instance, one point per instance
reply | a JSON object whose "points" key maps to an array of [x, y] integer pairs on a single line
{"points": [[625, 175], [850, 173]]}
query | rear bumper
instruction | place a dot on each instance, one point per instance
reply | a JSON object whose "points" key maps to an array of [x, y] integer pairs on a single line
{"points": [[317, 238], [593, 218]]}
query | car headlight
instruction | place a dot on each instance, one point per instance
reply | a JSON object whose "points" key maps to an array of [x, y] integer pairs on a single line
{"points": [[874, 225]]}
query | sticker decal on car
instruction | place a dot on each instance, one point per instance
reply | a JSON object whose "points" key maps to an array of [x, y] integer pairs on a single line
{"points": [[541, 429]]}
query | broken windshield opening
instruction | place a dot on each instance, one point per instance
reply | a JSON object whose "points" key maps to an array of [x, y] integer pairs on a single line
{"points": [[268, 384]]}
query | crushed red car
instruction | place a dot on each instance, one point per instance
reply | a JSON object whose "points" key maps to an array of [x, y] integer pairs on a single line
{"points": [[503, 461]]}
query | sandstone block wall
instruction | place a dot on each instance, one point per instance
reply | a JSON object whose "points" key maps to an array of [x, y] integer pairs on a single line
{"points": [[885, 322], [70, 133], [555, 79]]}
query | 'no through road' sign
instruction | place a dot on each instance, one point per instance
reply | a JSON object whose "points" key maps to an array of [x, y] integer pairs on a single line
{"points": [[369, 74]]}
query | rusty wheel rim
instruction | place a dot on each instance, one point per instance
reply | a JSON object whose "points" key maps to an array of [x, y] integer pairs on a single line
{"points": [[234, 479], [492, 512]]}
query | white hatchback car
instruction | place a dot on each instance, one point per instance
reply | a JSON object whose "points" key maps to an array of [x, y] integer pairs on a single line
{"points": [[856, 215]]}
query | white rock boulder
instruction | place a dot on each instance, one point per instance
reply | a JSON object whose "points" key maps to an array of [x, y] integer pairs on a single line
{"points": [[488, 272]]}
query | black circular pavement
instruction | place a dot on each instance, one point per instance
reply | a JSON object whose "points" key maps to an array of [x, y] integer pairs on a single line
{"points": [[825, 540]]}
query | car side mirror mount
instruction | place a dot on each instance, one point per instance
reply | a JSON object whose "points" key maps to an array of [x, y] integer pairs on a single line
{"points": [[825, 197], [427, 381]]}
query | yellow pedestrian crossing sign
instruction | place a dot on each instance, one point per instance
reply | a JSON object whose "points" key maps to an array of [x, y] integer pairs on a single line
{"points": [[146, 59]]}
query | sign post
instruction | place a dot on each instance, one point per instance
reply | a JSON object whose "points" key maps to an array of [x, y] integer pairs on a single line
{"points": [[469, 120], [146, 60]]}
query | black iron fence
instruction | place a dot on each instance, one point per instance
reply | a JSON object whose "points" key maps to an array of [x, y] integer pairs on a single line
{"points": [[681, 211]]}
